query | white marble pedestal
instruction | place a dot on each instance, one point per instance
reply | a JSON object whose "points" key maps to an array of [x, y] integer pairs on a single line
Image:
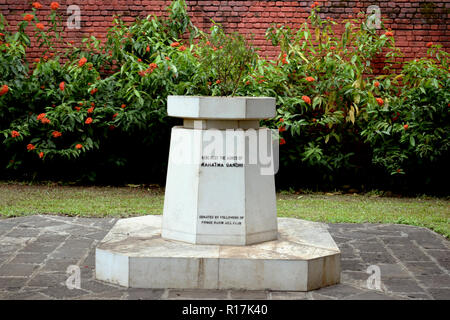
{"points": [[219, 228], [218, 190]]}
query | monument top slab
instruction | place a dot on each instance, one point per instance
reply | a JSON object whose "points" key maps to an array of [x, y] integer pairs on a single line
{"points": [[226, 108]]}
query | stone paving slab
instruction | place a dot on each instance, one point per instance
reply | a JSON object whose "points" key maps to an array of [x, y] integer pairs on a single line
{"points": [[35, 252]]}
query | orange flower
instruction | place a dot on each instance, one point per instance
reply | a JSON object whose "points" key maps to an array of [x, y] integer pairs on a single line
{"points": [[333, 48], [218, 81], [77, 108], [56, 134], [41, 154], [396, 117], [82, 62], [94, 91], [284, 61], [309, 79], [282, 141], [28, 17], [174, 44], [88, 120], [281, 120], [306, 99], [153, 66], [147, 49], [182, 48], [37, 5], [389, 34], [30, 147], [79, 146], [316, 3], [54, 5], [62, 85], [282, 129], [429, 44], [4, 90], [45, 121], [139, 60], [115, 115], [40, 116], [123, 106], [90, 110], [167, 58], [40, 26], [376, 84], [247, 82], [15, 134], [380, 101], [406, 127]]}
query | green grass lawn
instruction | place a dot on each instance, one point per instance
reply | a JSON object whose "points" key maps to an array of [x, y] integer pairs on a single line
{"points": [[20, 200]]}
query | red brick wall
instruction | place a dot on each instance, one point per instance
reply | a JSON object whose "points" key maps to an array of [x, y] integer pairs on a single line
{"points": [[414, 22]]}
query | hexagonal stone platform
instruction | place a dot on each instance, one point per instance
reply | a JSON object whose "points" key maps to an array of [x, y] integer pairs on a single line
{"points": [[303, 258]]}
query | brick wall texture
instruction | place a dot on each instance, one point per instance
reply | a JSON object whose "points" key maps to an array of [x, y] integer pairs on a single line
{"points": [[413, 22]]}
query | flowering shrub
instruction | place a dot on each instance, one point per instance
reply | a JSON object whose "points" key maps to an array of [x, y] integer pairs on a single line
{"points": [[324, 91], [102, 94], [102, 105], [411, 128]]}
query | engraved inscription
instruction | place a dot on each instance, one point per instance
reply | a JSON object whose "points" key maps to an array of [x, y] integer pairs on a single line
{"points": [[222, 161], [221, 220]]}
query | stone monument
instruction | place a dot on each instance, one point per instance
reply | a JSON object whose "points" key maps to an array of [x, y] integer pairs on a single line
{"points": [[219, 228]]}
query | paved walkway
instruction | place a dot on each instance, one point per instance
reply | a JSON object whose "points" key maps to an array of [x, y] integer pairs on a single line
{"points": [[35, 252]]}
